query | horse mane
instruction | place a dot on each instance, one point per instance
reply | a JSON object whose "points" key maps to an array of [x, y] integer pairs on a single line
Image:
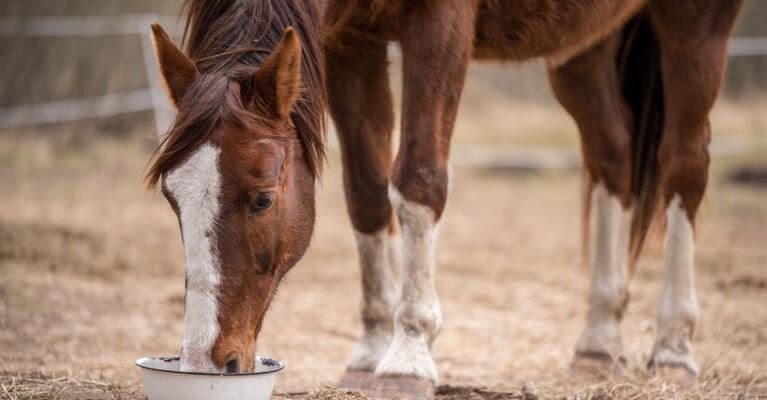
{"points": [[228, 40]]}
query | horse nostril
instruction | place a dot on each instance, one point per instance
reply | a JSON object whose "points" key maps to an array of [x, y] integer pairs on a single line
{"points": [[233, 366]]}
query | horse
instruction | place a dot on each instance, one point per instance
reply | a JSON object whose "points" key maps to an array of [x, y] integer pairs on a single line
{"points": [[639, 77], [239, 164]]}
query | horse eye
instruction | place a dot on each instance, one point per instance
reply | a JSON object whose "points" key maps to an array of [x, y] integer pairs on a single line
{"points": [[261, 203]]}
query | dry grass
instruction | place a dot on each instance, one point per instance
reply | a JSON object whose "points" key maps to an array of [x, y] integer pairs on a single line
{"points": [[91, 279], [43, 387]]}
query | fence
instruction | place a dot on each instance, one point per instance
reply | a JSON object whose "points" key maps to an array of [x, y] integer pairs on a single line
{"points": [[154, 99], [151, 98]]}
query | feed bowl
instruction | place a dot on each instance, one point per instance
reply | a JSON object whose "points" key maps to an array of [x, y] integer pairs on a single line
{"points": [[163, 380]]}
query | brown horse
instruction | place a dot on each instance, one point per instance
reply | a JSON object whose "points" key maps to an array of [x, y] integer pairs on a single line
{"points": [[239, 164], [638, 76]]}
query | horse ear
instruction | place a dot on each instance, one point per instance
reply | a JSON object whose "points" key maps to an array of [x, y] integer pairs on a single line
{"points": [[178, 71], [277, 83]]}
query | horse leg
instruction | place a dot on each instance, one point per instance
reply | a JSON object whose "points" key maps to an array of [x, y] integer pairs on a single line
{"points": [[435, 56], [589, 89], [361, 106], [693, 41]]}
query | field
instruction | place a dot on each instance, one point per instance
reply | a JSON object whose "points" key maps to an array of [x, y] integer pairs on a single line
{"points": [[91, 264], [91, 272]]}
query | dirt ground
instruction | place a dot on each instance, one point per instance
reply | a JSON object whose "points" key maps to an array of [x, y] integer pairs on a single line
{"points": [[91, 278]]}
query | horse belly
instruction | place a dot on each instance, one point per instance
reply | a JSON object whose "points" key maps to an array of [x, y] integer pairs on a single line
{"points": [[555, 29]]}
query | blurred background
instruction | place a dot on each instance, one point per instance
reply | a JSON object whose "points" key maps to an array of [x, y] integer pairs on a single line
{"points": [[91, 268]]}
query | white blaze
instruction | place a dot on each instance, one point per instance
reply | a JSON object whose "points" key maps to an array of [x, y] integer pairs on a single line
{"points": [[195, 186]]}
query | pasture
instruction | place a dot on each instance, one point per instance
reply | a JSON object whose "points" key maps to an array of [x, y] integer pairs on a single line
{"points": [[91, 272]]}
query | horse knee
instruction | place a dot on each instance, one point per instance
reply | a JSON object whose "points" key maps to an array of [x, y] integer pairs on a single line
{"points": [[684, 170], [423, 183], [367, 202], [608, 161]]}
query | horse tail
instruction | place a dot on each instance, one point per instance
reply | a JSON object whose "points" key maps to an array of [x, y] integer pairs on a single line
{"points": [[638, 61]]}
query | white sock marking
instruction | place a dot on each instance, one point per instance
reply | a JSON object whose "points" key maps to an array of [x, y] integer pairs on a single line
{"points": [[380, 291], [678, 307], [419, 317], [610, 232]]}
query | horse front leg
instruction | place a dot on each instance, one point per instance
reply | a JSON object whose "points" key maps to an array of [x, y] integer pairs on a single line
{"points": [[361, 106], [436, 46]]}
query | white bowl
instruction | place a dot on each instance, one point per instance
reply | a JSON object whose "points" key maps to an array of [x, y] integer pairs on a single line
{"points": [[163, 380]]}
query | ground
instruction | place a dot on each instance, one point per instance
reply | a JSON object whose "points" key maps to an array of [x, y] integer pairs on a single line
{"points": [[91, 278]]}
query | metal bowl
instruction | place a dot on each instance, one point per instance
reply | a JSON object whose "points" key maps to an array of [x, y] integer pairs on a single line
{"points": [[163, 380]]}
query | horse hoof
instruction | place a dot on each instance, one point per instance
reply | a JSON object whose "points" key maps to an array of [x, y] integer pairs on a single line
{"points": [[596, 365], [402, 388], [387, 387], [356, 381], [679, 375]]}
